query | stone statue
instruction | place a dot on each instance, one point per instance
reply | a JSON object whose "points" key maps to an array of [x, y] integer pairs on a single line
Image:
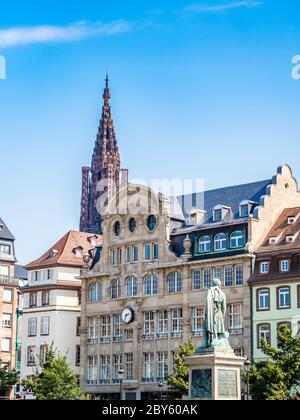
{"points": [[215, 310]]}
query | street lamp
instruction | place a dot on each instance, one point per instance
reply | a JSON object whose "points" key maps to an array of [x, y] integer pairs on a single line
{"points": [[121, 378], [161, 384], [247, 369]]}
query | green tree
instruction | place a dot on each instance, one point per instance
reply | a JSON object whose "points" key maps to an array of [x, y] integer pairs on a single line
{"points": [[277, 377], [8, 378], [179, 381], [54, 380]]}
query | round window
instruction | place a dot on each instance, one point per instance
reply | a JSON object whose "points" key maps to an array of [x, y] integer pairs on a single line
{"points": [[117, 228], [132, 224], [152, 222]]}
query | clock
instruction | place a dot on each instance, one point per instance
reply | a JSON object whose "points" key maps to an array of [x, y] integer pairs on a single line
{"points": [[127, 315]]}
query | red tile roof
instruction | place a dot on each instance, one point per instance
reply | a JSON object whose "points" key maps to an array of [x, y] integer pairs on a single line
{"points": [[62, 253]]}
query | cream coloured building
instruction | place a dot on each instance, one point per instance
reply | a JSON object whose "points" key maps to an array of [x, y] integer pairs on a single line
{"points": [[143, 293]]}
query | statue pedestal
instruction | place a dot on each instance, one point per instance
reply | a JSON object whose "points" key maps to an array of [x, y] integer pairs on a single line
{"points": [[214, 376]]}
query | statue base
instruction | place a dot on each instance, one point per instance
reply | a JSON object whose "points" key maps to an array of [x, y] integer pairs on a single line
{"points": [[214, 375]]}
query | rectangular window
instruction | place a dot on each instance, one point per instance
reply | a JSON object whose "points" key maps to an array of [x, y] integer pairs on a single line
{"points": [[176, 323], [218, 273], [128, 254], [217, 215], [117, 363], [198, 316], [5, 249], [162, 366], [263, 299], [148, 367], [155, 251], [45, 325], [206, 278], [196, 279], [5, 344], [77, 356], [92, 370], [105, 369], [93, 329], [49, 274], [43, 352], [264, 267], [148, 325], [119, 255], [4, 271], [31, 356], [147, 252], [129, 366], [6, 320], [32, 300], [113, 257], [284, 299], [239, 351], [284, 265], [239, 274], [128, 333], [228, 275], [78, 325], [244, 210], [45, 298], [162, 324], [105, 329], [7, 295], [235, 318], [117, 333], [263, 332], [32, 327], [135, 253]]}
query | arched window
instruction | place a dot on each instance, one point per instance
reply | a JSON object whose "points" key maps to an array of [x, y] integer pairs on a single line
{"points": [[237, 239], [131, 286], [95, 292], [115, 289], [220, 242], [174, 282], [204, 244], [150, 284]]}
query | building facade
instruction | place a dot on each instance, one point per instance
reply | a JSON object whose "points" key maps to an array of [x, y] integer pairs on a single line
{"points": [[145, 290], [9, 287], [102, 180], [52, 303], [275, 283]]}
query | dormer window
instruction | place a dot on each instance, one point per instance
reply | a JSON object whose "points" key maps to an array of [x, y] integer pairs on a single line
{"points": [[93, 240], [291, 220], [273, 240], [1, 226], [78, 251], [220, 212], [53, 252], [245, 208]]}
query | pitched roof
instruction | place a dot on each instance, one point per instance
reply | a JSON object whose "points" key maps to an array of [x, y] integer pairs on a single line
{"points": [[227, 196], [20, 272], [280, 230], [5, 233], [62, 252]]}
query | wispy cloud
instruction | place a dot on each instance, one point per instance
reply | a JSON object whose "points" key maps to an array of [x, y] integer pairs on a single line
{"points": [[200, 8], [12, 37]]}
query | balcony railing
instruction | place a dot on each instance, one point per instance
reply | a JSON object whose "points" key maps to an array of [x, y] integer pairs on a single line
{"points": [[91, 381], [104, 381], [148, 336], [176, 334], [93, 340], [151, 379], [197, 333], [14, 281], [162, 335], [118, 338], [238, 330], [104, 339]]}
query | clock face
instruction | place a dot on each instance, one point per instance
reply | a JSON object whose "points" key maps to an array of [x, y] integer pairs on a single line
{"points": [[127, 315]]}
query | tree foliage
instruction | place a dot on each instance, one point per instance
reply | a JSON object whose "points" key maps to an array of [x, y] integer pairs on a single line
{"points": [[54, 380], [8, 378], [278, 377], [179, 381]]}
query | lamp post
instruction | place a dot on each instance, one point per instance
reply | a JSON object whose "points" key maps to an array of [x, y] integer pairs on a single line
{"points": [[121, 378], [247, 368], [161, 384]]}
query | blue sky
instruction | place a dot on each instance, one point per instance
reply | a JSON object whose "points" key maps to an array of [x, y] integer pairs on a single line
{"points": [[199, 89]]}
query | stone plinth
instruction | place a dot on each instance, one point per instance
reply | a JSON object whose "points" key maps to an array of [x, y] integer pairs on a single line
{"points": [[214, 376]]}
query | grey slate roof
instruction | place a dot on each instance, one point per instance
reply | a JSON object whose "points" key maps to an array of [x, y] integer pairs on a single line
{"points": [[227, 196], [20, 272], [5, 233]]}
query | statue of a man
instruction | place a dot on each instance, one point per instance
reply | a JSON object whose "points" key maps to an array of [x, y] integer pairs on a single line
{"points": [[215, 310]]}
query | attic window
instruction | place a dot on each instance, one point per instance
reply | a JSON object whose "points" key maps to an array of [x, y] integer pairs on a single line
{"points": [[273, 240], [93, 240], [220, 212], [1, 226], [291, 220], [53, 252], [289, 238], [78, 251]]}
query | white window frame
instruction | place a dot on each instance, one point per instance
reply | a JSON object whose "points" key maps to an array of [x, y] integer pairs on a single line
{"points": [[264, 267]]}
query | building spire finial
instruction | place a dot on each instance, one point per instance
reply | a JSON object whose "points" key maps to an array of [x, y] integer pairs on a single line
{"points": [[106, 95]]}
